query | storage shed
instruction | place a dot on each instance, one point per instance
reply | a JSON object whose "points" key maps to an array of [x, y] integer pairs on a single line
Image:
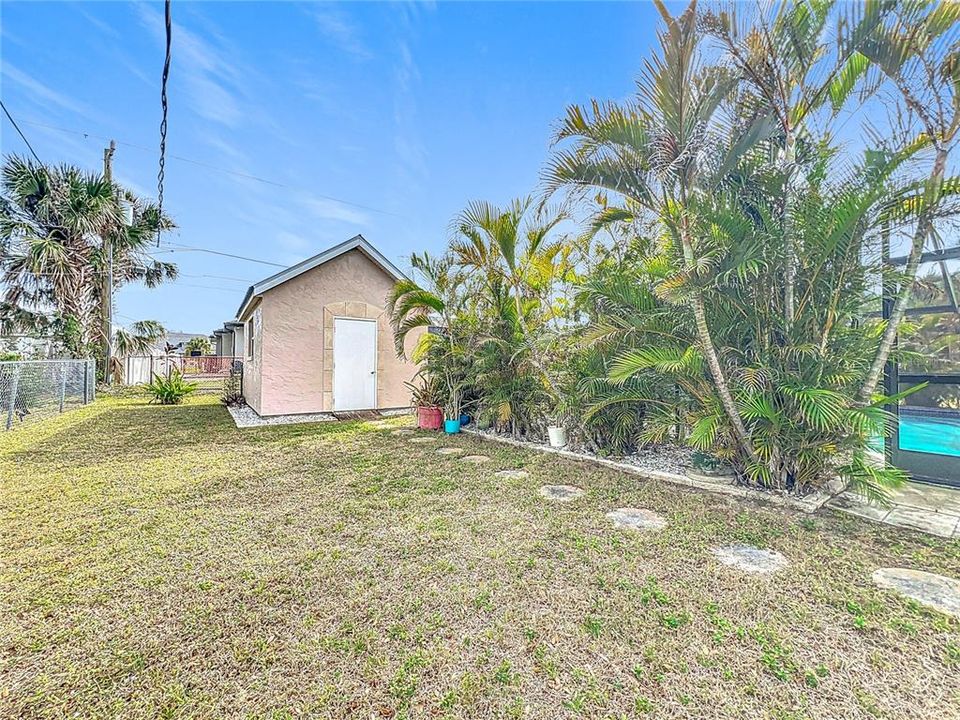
{"points": [[317, 338]]}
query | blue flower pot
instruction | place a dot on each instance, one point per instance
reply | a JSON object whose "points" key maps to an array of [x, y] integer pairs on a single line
{"points": [[464, 420], [451, 427]]}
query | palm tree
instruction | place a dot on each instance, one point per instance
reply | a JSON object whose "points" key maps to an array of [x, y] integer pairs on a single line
{"points": [[432, 297], [918, 50], [49, 217], [778, 405], [199, 344], [52, 220], [793, 61], [138, 339], [516, 249], [661, 154]]}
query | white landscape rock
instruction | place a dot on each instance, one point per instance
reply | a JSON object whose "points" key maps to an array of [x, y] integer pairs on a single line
{"points": [[513, 474], [245, 417], [750, 559], [474, 459], [637, 519], [449, 451], [936, 591], [561, 493]]}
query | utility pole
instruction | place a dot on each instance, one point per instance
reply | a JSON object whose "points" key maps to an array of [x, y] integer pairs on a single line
{"points": [[107, 289]]}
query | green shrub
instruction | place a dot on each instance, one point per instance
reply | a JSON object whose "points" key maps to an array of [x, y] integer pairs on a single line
{"points": [[170, 390]]}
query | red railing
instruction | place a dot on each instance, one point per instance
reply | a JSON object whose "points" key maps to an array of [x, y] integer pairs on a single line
{"points": [[207, 370], [217, 365]]}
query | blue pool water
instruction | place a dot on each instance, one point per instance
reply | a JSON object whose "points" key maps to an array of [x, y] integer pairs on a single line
{"points": [[935, 434]]}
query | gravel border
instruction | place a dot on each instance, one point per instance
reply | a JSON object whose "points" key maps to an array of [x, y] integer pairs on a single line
{"points": [[663, 457], [246, 417], [808, 504]]}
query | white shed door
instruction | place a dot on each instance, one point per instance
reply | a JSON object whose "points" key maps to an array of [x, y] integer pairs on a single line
{"points": [[354, 364]]}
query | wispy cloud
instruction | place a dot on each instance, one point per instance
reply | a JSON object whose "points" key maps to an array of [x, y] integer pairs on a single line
{"points": [[407, 144], [225, 147], [98, 23], [292, 242], [338, 30], [44, 95], [213, 83], [324, 209]]}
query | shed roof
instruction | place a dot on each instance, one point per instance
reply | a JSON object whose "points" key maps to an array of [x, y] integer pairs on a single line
{"points": [[357, 242]]}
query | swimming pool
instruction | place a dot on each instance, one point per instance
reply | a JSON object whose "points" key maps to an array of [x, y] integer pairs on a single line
{"points": [[936, 433]]}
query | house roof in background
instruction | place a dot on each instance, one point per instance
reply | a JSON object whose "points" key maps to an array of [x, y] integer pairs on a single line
{"points": [[357, 242], [175, 338]]}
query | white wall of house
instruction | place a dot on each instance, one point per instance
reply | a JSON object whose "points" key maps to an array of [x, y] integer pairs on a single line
{"points": [[238, 342]]}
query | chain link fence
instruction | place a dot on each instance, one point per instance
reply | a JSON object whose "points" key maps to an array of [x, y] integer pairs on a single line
{"points": [[33, 389]]}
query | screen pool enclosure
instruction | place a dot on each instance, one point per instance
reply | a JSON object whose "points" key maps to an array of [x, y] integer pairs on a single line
{"points": [[924, 439]]}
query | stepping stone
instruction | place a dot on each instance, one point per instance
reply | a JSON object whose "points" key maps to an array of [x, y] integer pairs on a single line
{"points": [[423, 440], [449, 451], [513, 474], [402, 431], [750, 559], [561, 493], [475, 459], [935, 591], [637, 519]]}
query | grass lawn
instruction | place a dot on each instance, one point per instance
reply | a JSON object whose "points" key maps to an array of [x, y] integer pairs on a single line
{"points": [[158, 562]]}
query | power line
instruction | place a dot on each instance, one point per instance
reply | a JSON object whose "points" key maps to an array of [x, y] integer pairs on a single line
{"points": [[216, 168], [188, 248], [22, 136], [218, 277], [205, 287]]}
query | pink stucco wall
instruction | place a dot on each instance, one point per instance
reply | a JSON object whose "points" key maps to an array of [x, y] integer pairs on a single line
{"points": [[294, 368], [252, 364]]}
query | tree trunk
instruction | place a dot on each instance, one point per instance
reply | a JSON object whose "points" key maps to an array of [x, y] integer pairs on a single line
{"points": [[713, 361], [924, 227], [789, 248]]}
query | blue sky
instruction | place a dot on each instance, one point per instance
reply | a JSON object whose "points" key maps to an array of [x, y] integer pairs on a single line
{"points": [[409, 111]]}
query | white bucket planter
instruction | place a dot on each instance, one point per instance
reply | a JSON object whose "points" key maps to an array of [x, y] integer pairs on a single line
{"points": [[558, 436]]}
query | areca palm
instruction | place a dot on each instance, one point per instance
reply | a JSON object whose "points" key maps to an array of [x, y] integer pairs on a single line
{"points": [[779, 405], [431, 297], [918, 50], [794, 59], [516, 249], [661, 153]]}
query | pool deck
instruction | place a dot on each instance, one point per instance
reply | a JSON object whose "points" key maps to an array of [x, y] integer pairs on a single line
{"points": [[928, 508]]}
